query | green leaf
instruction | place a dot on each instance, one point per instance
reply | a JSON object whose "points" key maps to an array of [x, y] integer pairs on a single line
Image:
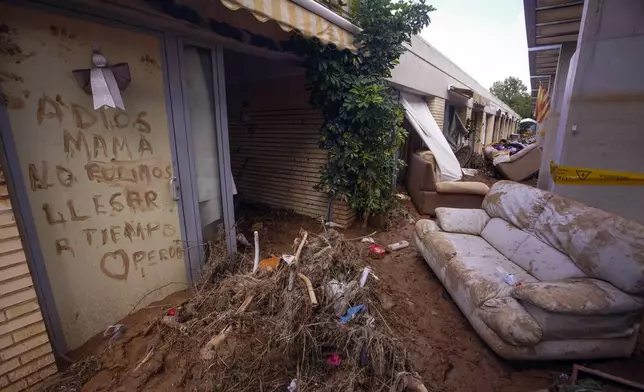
{"points": [[363, 119]]}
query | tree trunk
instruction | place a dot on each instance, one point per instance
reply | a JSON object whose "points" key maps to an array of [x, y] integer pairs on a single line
{"points": [[365, 221]]}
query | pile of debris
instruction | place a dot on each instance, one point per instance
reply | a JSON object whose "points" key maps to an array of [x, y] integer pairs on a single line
{"points": [[305, 322]]}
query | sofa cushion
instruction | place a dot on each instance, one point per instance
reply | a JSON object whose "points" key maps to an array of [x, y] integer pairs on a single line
{"points": [[470, 245], [510, 321], [467, 187], [574, 326], [603, 245], [481, 277], [578, 296], [444, 246], [524, 249], [544, 262], [516, 203], [462, 220], [503, 236]]}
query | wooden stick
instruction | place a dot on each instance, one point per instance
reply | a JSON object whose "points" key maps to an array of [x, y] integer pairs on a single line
{"points": [[293, 267], [619, 380], [256, 261], [145, 359], [219, 338], [207, 351], [364, 236], [309, 288], [245, 304]]}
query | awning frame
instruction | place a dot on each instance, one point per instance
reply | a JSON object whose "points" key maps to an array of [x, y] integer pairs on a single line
{"points": [[292, 16]]}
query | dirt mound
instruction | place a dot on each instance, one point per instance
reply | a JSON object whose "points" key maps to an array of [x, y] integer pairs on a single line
{"points": [[243, 331]]}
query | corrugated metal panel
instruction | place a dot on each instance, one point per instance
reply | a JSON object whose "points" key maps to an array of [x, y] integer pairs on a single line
{"points": [[276, 159]]}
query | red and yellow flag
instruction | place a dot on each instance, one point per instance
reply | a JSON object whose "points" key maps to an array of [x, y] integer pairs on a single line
{"points": [[542, 108]]}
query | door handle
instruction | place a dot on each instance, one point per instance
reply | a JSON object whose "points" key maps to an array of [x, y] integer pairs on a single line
{"points": [[173, 189]]}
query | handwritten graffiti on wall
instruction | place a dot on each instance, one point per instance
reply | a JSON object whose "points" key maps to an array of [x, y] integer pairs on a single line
{"points": [[116, 161]]}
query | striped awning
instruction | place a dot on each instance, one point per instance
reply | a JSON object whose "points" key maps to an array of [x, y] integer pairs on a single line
{"points": [[291, 16]]}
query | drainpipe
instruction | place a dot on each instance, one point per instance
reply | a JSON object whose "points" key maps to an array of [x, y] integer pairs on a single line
{"points": [[327, 14]]}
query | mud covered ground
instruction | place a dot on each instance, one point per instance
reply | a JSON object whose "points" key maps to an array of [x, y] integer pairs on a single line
{"points": [[444, 349]]}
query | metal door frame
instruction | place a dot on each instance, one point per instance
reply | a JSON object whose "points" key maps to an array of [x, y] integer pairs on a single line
{"points": [[189, 192]]}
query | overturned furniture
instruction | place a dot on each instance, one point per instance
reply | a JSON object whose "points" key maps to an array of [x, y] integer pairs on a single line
{"points": [[575, 274], [519, 166], [428, 194]]}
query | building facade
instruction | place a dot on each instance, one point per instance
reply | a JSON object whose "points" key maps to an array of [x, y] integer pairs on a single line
{"points": [[587, 54], [104, 207]]}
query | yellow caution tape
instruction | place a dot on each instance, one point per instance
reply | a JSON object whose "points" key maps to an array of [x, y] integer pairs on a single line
{"points": [[586, 176]]}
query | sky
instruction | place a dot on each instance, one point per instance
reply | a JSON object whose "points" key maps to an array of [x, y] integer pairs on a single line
{"points": [[486, 39]]}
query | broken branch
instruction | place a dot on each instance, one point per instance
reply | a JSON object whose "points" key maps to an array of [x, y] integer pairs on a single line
{"points": [[208, 351], [291, 276], [309, 288], [145, 359]]}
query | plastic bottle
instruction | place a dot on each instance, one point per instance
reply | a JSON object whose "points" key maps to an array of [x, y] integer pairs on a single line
{"points": [[398, 245], [508, 278], [365, 275], [511, 280]]}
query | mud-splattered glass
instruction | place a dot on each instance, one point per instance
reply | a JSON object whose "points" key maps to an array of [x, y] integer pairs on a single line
{"points": [[201, 106]]}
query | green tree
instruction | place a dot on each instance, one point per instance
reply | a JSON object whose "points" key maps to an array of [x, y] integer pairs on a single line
{"points": [[362, 127], [515, 94]]}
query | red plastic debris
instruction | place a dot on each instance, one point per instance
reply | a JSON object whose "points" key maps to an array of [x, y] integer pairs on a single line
{"points": [[377, 250], [172, 312], [334, 360]]}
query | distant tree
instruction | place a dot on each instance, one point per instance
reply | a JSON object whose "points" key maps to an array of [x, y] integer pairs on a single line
{"points": [[515, 94]]}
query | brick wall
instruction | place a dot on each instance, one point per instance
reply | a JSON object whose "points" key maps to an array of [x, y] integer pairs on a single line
{"points": [[25, 353], [437, 109], [342, 213], [289, 127]]}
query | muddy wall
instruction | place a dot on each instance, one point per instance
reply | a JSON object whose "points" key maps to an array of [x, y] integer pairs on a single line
{"points": [[97, 180]]}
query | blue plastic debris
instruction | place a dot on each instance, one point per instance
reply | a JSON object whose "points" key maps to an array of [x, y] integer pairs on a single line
{"points": [[351, 313]]}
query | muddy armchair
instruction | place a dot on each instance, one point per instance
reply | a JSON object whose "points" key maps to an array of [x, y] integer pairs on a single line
{"points": [[427, 193]]}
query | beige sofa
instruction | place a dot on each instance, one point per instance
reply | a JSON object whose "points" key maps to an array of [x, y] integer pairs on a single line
{"points": [[581, 273], [521, 165], [427, 193]]}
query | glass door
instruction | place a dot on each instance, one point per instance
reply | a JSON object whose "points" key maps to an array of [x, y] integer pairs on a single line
{"points": [[211, 185]]}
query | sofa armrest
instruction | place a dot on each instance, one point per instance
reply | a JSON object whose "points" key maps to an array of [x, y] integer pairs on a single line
{"points": [[510, 321], [470, 188], [424, 226], [578, 296], [462, 220]]}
